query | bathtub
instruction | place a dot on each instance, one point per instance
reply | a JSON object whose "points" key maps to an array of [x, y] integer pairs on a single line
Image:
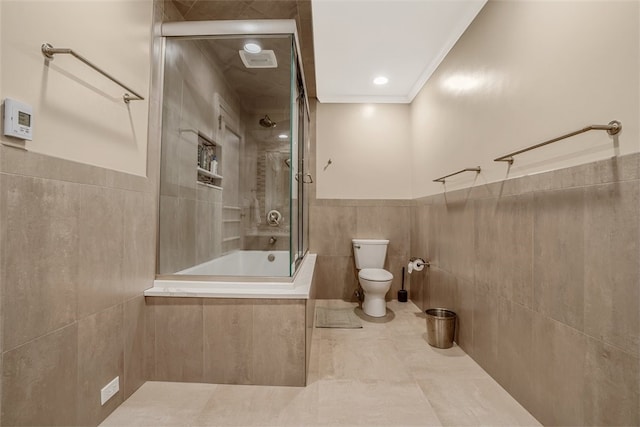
{"points": [[244, 263], [261, 284]]}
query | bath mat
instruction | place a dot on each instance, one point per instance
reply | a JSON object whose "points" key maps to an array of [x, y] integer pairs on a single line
{"points": [[343, 318]]}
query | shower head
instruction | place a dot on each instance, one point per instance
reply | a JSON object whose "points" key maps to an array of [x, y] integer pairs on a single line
{"points": [[267, 122]]}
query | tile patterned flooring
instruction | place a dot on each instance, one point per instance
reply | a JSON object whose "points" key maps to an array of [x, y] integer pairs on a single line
{"points": [[384, 374]]}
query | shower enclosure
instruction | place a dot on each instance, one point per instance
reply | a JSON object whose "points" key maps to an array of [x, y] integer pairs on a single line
{"points": [[233, 175]]}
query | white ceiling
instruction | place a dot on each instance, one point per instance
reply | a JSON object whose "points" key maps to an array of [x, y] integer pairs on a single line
{"points": [[404, 40]]}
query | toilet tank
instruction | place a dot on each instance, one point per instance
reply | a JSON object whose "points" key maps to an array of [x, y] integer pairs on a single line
{"points": [[369, 253]]}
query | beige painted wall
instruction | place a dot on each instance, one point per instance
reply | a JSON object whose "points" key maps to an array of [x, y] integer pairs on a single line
{"points": [[525, 72], [79, 115], [370, 150], [0, 53]]}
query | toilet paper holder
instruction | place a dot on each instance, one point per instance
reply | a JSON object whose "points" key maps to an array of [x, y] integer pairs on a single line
{"points": [[417, 264]]}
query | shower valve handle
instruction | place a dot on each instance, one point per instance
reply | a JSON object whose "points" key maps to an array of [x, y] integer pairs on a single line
{"points": [[274, 217]]}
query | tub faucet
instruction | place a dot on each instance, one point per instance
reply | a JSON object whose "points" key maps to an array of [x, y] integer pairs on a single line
{"points": [[272, 240]]}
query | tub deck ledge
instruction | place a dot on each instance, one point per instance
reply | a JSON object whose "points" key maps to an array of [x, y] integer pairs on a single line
{"points": [[298, 289]]}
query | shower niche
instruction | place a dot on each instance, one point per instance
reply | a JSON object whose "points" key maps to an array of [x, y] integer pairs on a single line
{"points": [[208, 162], [234, 146]]}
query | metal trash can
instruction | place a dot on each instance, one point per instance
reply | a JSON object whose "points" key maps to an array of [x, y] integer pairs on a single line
{"points": [[441, 327]]}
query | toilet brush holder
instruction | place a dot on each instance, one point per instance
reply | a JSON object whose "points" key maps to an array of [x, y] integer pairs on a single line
{"points": [[402, 293]]}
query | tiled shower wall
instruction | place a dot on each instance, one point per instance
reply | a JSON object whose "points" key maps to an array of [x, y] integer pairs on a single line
{"points": [[257, 237], [77, 246], [543, 272], [188, 233]]}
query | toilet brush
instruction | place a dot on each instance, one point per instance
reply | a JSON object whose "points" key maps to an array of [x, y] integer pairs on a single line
{"points": [[402, 294]]}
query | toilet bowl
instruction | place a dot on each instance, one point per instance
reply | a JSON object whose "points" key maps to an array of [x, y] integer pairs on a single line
{"points": [[375, 281]]}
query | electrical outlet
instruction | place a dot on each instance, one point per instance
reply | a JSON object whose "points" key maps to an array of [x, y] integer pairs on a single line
{"points": [[109, 390]]}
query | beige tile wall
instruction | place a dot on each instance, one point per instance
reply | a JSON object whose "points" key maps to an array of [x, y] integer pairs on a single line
{"points": [[229, 341], [333, 223], [2, 221], [544, 273], [310, 316], [77, 245]]}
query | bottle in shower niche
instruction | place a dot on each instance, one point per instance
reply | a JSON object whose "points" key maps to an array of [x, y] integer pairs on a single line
{"points": [[214, 165], [205, 159]]}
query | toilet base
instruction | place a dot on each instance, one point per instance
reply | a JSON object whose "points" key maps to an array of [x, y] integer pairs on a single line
{"points": [[374, 306]]}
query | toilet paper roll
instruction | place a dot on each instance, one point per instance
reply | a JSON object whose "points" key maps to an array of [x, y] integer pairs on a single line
{"points": [[417, 265]]}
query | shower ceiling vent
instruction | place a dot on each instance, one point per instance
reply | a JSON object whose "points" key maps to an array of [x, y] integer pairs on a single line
{"points": [[264, 59]]}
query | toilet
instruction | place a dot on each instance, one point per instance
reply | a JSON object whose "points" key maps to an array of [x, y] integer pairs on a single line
{"points": [[375, 281]]}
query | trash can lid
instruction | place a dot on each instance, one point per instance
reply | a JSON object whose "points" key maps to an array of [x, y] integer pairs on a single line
{"points": [[440, 312]]}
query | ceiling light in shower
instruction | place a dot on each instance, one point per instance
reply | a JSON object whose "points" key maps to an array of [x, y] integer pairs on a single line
{"points": [[283, 136], [380, 80], [252, 47]]}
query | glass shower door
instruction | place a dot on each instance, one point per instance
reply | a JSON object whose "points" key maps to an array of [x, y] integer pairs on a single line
{"points": [[301, 178], [296, 183]]}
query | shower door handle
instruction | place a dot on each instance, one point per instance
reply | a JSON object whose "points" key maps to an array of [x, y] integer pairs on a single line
{"points": [[304, 178]]}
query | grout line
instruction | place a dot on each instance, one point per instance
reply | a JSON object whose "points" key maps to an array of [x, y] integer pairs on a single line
{"points": [[4, 351]]}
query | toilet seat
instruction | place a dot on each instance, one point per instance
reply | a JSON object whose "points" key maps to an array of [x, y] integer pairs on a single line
{"points": [[375, 275]]}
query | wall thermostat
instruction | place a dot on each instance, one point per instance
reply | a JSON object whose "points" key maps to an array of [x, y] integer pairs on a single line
{"points": [[18, 119]]}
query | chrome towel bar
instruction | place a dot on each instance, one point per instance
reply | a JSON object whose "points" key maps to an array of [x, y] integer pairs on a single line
{"points": [[612, 128], [441, 179], [49, 51]]}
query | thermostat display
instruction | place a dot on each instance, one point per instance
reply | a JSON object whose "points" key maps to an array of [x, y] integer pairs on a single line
{"points": [[24, 119], [18, 119]]}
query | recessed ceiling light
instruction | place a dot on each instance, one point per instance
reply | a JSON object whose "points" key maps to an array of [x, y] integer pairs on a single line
{"points": [[380, 80], [283, 136], [252, 48]]}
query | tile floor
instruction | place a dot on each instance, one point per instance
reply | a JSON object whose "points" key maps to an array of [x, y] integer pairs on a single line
{"points": [[384, 374]]}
